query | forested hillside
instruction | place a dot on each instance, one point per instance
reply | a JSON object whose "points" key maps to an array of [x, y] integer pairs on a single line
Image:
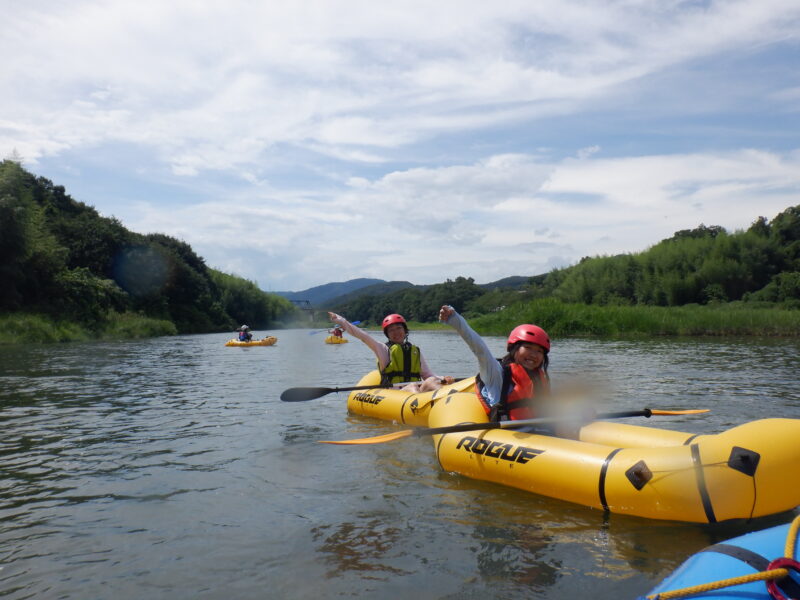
{"points": [[702, 266], [376, 289], [515, 282], [61, 258], [699, 266], [421, 303]]}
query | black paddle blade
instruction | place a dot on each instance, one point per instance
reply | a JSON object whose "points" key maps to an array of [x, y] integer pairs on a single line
{"points": [[301, 394]]}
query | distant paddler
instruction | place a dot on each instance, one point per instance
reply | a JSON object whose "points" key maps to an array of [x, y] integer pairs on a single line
{"points": [[244, 334]]}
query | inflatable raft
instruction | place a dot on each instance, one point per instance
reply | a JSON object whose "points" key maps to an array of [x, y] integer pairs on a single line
{"points": [[398, 405], [333, 339], [748, 471], [270, 340], [740, 568]]}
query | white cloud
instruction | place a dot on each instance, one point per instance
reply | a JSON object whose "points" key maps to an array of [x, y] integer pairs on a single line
{"points": [[408, 140], [174, 74], [501, 216]]}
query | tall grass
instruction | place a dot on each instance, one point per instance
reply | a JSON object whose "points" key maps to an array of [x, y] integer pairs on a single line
{"points": [[16, 328], [129, 325], [21, 328], [560, 319]]}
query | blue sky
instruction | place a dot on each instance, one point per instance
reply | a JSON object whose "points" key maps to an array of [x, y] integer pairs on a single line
{"points": [[299, 143]]}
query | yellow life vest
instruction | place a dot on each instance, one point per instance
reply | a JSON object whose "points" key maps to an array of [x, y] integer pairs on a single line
{"points": [[404, 364]]}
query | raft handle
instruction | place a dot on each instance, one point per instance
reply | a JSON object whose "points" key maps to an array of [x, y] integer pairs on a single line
{"points": [[744, 460]]}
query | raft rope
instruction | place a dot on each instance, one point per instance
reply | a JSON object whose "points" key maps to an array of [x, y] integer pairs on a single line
{"points": [[769, 575]]}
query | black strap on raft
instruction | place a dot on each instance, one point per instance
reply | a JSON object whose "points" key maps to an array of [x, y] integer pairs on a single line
{"points": [[705, 497], [602, 478], [758, 562]]}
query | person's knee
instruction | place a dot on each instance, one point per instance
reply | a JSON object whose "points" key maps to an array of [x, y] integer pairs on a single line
{"points": [[430, 384], [414, 388]]}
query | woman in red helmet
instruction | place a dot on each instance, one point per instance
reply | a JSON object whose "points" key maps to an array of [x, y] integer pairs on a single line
{"points": [[398, 359], [516, 386]]}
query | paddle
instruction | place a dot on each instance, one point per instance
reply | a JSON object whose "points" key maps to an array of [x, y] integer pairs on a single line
{"points": [[301, 394], [321, 330], [390, 437]]}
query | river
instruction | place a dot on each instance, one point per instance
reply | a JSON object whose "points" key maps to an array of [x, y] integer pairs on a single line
{"points": [[169, 468]]}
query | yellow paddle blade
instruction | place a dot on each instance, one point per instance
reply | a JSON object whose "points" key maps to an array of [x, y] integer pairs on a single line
{"points": [[378, 439], [691, 411]]}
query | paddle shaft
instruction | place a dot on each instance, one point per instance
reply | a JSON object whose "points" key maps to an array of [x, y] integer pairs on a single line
{"points": [[310, 393], [398, 435], [368, 387], [525, 422]]}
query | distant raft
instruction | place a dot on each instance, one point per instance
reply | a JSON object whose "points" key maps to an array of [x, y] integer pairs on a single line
{"points": [[334, 339], [270, 340], [398, 405], [745, 472], [741, 568]]}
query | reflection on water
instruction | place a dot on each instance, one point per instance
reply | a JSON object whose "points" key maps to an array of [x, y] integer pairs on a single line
{"points": [[169, 468], [365, 547], [517, 555]]}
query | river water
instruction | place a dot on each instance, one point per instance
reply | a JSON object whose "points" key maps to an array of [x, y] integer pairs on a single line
{"points": [[169, 468]]}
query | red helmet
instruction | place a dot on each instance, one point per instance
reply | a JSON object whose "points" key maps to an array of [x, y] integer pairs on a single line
{"points": [[392, 319], [529, 333]]}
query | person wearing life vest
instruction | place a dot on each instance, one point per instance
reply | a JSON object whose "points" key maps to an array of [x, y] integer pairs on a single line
{"points": [[244, 334], [399, 361], [517, 386], [336, 331]]}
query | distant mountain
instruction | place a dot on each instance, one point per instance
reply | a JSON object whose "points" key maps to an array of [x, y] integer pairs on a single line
{"points": [[340, 293], [388, 287], [320, 294], [376, 289]]}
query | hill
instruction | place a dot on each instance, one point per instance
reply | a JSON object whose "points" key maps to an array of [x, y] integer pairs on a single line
{"points": [[705, 265], [390, 287], [513, 282], [376, 289], [63, 260], [319, 295]]}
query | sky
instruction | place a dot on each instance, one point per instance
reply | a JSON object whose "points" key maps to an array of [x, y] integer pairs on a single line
{"points": [[300, 143]]}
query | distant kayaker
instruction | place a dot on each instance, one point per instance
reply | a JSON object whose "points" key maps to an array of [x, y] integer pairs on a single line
{"points": [[244, 334], [516, 386], [337, 331], [398, 359]]}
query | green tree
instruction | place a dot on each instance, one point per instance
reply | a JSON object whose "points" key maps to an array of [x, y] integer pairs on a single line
{"points": [[244, 302], [31, 255], [786, 230]]}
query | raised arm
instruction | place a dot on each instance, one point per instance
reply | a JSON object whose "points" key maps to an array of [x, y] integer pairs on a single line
{"points": [[380, 350], [490, 370]]}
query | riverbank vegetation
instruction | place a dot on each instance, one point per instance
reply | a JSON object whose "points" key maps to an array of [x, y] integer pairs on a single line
{"points": [[564, 319], [40, 328], [68, 273]]}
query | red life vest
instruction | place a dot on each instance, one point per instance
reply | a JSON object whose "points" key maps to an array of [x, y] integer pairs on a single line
{"points": [[519, 390]]}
